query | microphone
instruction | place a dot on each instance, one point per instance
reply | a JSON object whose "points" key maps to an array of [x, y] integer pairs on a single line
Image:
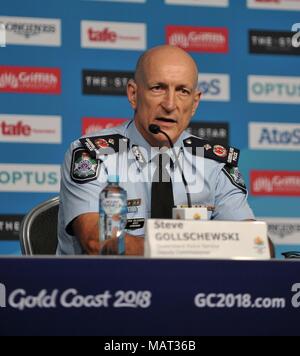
{"points": [[155, 129]]}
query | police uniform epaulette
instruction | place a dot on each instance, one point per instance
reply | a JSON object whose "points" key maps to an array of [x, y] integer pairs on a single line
{"points": [[220, 153], [105, 145]]}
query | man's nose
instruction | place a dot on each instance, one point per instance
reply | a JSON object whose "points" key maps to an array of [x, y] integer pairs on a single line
{"points": [[169, 101]]}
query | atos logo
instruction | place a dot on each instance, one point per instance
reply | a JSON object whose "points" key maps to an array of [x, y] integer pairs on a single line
{"points": [[2, 296], [282, 136], [296, 37], [214, 87]]}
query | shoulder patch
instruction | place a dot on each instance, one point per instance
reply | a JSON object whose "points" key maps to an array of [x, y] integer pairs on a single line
{"points": [[235, 177], [105, 145], [220, 153], [84, 167]]}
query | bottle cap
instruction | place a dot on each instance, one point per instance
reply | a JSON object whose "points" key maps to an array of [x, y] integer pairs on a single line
{"points": [[113, 179]]}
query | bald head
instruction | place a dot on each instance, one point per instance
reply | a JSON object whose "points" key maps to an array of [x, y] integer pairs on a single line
{"points": [[164, 92], [157, 55]]}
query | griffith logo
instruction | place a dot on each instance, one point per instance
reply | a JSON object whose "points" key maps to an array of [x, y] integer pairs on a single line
{"points": [[199, 39], [2, 296]]}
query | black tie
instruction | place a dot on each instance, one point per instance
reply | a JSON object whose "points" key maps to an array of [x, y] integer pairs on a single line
{"points": [[162, 200]]}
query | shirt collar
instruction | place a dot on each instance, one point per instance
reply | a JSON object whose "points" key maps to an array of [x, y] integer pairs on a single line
{"points": [[137, 139]]}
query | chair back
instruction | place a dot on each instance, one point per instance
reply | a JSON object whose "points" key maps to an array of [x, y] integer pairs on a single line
{"points": [[38, 231]]}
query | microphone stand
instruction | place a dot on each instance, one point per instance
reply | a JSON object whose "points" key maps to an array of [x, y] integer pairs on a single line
{"points": [[155, 129]]}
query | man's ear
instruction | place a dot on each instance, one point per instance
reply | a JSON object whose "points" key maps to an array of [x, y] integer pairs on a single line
{"points": [[132, 93], [196, 103]]}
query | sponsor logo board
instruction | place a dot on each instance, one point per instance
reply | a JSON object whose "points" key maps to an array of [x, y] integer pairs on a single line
{"points": [[105, 82], [274, 136], [113, 35], [212, 3], [214, 86], [30, 129], [33, 80], [271, 89], [213, 131], [272, 42], [32, 31], [29, 178], [283, 231], [291, 5], [92, 125], [199, 39], [275, 183], [10, 227]]}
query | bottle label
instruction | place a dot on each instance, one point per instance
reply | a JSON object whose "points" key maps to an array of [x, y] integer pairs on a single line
{"points": [[112, 206]]}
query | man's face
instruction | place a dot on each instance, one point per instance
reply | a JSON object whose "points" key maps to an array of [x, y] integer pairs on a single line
{"points": [[165, 95]]}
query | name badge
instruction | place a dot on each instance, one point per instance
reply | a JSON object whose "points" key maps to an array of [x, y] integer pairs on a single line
{"points": [[134, 224], [206, 239]]}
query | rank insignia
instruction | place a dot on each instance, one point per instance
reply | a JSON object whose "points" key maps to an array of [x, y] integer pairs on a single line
{"points": [[105, 145], [227, 155]]}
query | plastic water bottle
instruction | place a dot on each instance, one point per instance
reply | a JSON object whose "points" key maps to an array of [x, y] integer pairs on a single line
{"points": [[113, 212]]}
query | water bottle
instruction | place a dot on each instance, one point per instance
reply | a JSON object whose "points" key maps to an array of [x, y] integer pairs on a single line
{"points": [[113, 212]]}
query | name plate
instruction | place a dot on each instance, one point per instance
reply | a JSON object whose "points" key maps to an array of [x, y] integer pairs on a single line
{"points": [[206, 239]]}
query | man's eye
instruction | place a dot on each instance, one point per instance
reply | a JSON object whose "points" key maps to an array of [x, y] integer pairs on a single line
{"points": [[184, 91], [156, 88]]}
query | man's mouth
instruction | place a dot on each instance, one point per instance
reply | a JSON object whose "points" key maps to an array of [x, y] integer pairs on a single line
{"points": [[166, 120]]}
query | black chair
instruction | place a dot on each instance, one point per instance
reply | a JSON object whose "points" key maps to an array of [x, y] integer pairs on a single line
{"points": [[291, 255], [38, 231]]}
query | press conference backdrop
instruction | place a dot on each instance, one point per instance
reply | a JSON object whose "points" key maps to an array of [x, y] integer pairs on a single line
{"points": [[64, 66]]}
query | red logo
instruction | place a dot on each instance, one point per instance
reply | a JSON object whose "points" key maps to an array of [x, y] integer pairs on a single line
{"points": [[220, 151], [199, 39], [275, 183], [102, 36], [92, 125], [19, 129], [101, 143], [33, 80]]}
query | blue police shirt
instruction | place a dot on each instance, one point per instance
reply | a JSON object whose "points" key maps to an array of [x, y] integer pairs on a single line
{"points": [[212, 181]]}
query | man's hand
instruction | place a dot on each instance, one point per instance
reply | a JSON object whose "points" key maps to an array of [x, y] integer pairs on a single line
{"points": [[86, 229], [134, 246]]}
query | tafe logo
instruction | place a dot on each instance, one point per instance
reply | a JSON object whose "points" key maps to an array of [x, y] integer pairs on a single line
{"points": [[2, 296]]}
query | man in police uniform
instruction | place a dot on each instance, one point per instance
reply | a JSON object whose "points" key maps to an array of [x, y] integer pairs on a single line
{"points": [[165, 93]]}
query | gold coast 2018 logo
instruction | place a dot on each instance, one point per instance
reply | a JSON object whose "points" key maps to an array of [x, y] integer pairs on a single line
{"points": [[2, 296]]}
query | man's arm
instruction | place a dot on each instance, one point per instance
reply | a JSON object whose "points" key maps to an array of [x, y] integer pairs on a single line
{"points": [[86, 229]]}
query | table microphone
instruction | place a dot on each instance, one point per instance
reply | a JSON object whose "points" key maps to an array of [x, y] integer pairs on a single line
{"points": [[155, 129]]}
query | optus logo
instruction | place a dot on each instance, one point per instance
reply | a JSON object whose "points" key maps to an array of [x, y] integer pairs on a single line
{"points": [[29, 178], [274, 89]]}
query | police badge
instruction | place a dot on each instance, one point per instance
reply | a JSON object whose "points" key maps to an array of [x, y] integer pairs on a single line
{"points": [[84, 168]]}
